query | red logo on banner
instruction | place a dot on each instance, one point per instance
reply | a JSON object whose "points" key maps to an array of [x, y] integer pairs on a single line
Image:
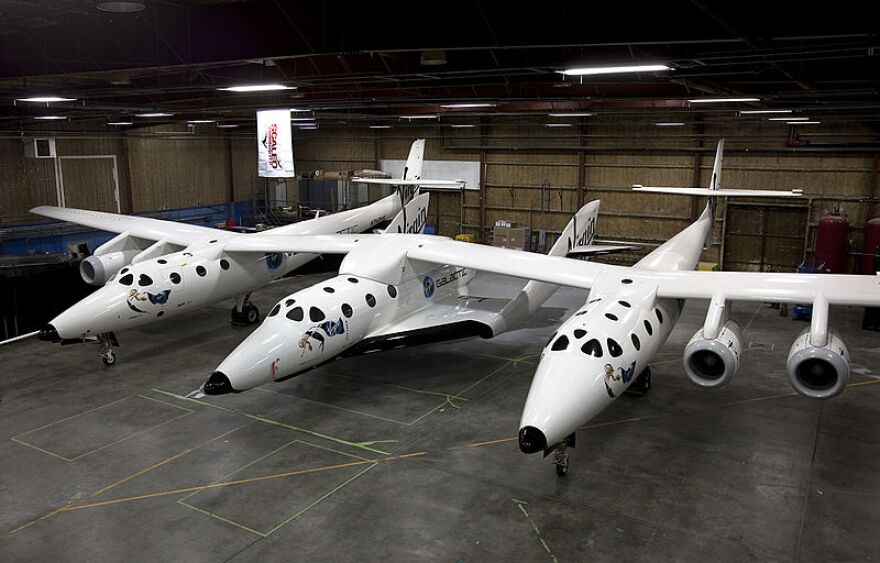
{"points": [[272, 145]]}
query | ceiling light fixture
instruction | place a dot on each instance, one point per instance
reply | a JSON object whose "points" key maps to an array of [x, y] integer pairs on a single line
{"points": [[557, 125], [788, 119], [722, 100], [227, 126], [582, 114], [669, 124], [380, 127], [45, 99], [462, 126], [763, 111], [120, 123], [468, 105], [154, 114], [299, 110], [803, 122], [194, 121], [302, 118], [594, 70], [50, 117], [425, 116], [309, 128], [257, 88]]}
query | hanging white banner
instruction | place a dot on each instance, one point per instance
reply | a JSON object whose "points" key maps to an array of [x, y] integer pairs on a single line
{"points": [[274, 144]]}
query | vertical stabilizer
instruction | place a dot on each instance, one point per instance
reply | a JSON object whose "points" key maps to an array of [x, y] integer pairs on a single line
{"points": [[412, 218], [714, 184], [413, 168]]}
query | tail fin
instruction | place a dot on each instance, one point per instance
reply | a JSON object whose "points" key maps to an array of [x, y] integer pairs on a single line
{"points": [[412, 170], [714, 183], [580, 231], [412, 218]]}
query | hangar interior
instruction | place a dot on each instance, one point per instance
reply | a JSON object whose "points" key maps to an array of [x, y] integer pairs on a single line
{"points": [[412, 454]]}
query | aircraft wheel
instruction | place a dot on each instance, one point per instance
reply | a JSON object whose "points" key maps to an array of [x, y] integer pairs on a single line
{"points": [[109, 358], [562, 468], [251, 314]]}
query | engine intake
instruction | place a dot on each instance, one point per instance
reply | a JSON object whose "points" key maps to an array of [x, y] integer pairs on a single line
{"points": [[818, 372], [96, 270], [712, 363]]}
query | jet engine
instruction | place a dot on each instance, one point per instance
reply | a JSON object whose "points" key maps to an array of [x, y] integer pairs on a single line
{"points": [[713, 362], [97, 269], [818, 372]]}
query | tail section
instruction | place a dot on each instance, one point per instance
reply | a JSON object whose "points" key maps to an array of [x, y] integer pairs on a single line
{"points": [[412, 218], [714, 182], [413, 168], [578, 232]]}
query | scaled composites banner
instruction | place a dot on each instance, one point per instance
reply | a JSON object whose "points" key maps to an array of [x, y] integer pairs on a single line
{"points": [[274, 144]]}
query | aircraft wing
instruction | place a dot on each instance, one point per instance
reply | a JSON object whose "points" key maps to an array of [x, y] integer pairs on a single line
{"points": [[312, 244], [601, 249], [174, 232]]}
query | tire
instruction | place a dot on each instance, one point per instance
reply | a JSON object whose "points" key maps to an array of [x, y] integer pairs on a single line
{"points": [[251, 315], [109, 359], [561, 470]]}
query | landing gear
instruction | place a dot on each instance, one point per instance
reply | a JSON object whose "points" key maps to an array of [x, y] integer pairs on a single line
{"points": [[642, 383], [560, 455], [106, 342], [244, 312]]}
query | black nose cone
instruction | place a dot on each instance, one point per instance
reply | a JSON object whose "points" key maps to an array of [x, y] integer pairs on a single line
{"points": [[531, 440], [49, 334], [218, 384]]}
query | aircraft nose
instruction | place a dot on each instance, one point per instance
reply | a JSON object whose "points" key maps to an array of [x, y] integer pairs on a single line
{"points": [[218, 384], [49, 334], [531, 440]]}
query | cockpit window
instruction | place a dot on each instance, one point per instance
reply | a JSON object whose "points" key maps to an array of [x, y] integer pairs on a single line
{"points": [[579, 333], [614, 348], [289, 302], [144, 280], [127, 279], [174, 277], [592, 348], [659, 315], [611, 316], [560, 344], [625, 304], [347, 310], [316, 314], [649, 328], [371, 301], [636, 341], [295, 314], [275, 310]]}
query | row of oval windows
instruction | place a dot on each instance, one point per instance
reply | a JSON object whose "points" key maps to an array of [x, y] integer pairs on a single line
{"points": [[317, 315], [594, 347], [144, 280]]}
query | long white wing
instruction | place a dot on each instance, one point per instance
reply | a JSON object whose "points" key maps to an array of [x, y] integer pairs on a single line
{"points": [[143, 227], [312, 244], [719, 192]]}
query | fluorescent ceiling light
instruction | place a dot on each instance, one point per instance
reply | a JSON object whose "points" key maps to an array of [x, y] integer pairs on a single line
{"points": [[722, 100], [380, 127], [762, 111], [45, 99], [302, 118], [227, 125], [803, 122], [582, 114], [788, 119], [462, 126], [426, 116], [309, 128], [669, 124], [201, 120], [557, 125], [298, 110], [120, 123], [468, 105], [121, 7], [593, 70], [154, 114], [50, 117], [257, 88]]}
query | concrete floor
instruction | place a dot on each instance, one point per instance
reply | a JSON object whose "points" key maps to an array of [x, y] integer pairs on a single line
{"points": [[411, 455]]}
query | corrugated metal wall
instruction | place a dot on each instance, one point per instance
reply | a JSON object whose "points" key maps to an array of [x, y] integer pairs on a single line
{"points": [[531, 174]]}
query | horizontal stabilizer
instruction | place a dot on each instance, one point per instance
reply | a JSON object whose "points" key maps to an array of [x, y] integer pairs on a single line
{"points": [[395, 182], [720, 193]]}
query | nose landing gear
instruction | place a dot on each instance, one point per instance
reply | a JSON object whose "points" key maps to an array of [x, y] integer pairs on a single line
{"points": [[245, 313], [642, 383], [560, 455], [106, 342]]}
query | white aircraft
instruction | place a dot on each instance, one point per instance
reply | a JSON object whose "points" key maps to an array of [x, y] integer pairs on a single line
{"points": [[379, 301], [159, 269]]}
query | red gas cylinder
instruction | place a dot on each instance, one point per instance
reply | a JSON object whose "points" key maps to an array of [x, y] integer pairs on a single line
{"points": [[831, 235], [872, 245]]}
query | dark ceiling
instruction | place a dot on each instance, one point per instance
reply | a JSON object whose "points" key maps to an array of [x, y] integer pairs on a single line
{"points": [[362, 62]]}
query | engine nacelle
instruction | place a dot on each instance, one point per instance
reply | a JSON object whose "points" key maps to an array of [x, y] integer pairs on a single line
{"points": [[818, 372], [96, 270], [712, 363]]}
